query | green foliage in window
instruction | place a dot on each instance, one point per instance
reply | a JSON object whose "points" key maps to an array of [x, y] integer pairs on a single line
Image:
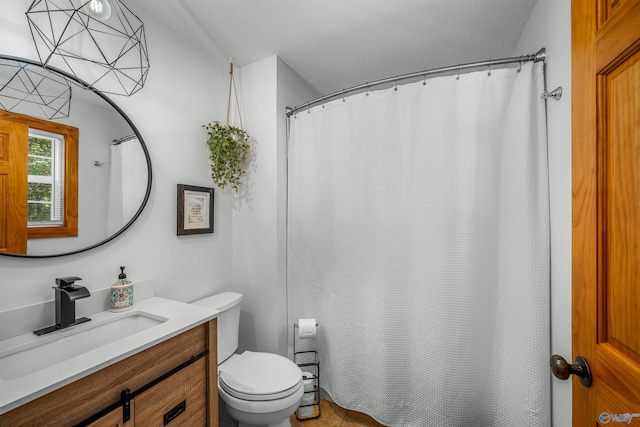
{"points": [[39, 146], [38, 165], [39, 192], [38, 212]]}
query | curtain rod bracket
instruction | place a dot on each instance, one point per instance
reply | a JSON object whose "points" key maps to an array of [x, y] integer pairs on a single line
{"points": [[555, 94]]}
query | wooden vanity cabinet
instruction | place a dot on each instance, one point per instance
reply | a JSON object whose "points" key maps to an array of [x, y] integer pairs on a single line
{"points": [[173, 383], [177, 401], [180, 400], [112, 419]]}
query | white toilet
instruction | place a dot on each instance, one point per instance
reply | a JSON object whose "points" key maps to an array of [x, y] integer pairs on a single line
{"points": [[258, 389]]}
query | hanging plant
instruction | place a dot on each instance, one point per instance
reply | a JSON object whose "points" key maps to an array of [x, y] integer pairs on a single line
{"points": [[228, 146], [229, 150]]}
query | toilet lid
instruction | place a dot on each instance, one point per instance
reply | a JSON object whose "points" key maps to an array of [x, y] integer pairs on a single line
{"points": [[260, 376]]}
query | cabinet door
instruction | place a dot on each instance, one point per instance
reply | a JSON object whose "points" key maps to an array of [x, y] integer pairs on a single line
{"points": [[112, 419], [180, 400]]}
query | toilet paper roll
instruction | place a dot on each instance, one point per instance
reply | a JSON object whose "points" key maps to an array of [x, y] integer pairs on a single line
{"points": [[306, 328], [307, 380], [306, 411], [307, 399]]}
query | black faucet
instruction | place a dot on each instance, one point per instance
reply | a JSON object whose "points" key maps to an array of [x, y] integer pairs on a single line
{"points": [[66, 295]]}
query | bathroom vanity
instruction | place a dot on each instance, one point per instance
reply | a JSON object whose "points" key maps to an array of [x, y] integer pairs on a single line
{"points": [[163, 375]]}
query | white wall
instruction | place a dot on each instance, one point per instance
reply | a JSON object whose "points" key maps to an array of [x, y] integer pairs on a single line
{"points": [[292, 91], [254, 225], [550, 26], [186, 88], [259, 215]]}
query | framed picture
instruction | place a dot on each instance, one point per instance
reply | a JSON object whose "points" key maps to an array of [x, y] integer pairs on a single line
{"points": [[195, 210]]}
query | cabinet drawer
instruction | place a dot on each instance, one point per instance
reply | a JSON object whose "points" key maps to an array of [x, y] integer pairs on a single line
{"points": [[179, 400]]}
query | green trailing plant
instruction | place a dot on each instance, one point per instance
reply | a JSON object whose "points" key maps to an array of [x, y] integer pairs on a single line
{"points": [[228, 145], [229, 150]]}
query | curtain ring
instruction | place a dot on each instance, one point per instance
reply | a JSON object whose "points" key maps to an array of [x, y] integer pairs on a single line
{"points": [[520, 64], [396, 88], [424, 82], [343, 100], [458, 76], [490, 63], [367, 93]]}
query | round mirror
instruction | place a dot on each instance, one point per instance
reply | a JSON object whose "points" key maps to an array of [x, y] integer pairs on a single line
{"points": [[84, 174]]}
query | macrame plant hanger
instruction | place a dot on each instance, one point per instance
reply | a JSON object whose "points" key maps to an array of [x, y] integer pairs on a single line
{"points": [[232, 86], [228, 145]]}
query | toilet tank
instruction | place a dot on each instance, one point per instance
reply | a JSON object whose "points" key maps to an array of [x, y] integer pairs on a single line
{"points": [[228, 304]]}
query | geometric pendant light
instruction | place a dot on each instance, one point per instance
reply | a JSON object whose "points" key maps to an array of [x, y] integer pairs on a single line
{"points": [[32, 90], [100, 42]]}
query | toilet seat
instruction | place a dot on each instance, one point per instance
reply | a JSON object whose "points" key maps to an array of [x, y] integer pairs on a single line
{"points": [[258, 376]]}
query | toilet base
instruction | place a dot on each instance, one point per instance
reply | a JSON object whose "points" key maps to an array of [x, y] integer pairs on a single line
{"points": [[283, 423], [278, 418], [273, 420]]}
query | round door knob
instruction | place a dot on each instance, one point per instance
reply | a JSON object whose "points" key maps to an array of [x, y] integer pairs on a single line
{"points": [[563, 370]]}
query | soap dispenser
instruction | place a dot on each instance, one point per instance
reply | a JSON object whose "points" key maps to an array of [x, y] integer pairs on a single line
{"points": [[121, 293]]}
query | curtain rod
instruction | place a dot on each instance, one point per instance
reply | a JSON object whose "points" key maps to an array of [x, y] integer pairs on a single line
{"points": [[536, 57], [124, 139]]}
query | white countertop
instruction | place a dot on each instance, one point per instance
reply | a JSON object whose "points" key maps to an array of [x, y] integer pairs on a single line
{"points": [[181, 317]]}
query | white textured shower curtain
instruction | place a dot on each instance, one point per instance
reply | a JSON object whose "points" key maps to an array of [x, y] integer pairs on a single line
{"points": [[127, 183], [418, 237]]}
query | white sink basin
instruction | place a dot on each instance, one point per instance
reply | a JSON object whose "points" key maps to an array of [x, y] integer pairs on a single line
{"points": [[56, 347]]}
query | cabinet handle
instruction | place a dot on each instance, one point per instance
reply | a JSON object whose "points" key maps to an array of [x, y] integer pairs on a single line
{"points": [[173, 413], [125, 398]]}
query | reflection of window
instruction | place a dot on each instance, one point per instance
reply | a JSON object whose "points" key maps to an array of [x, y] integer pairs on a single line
{"points": [[45, 192], [45, 176]]}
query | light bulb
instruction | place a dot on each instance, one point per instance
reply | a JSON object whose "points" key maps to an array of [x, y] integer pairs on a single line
{"points": [[98, 9]]}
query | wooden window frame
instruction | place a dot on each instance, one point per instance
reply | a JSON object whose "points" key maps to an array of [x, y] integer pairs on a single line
{"points": [[69, 228]]}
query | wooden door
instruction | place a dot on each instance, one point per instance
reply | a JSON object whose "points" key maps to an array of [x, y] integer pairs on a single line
{"points": [[606, 209], [13, 187]]}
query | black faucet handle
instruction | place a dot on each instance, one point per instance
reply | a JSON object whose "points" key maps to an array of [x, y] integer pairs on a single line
{"points": [[66, 282]]}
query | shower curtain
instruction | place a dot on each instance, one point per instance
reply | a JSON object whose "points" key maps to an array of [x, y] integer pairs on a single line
{"points": [[127, 183], [418, 237]]}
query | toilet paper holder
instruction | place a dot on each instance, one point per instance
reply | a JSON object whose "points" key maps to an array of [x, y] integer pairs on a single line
{"points": [[309, 363]]}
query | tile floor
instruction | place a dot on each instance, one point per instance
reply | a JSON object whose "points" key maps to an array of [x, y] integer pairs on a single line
{"points": [[332, 415]]}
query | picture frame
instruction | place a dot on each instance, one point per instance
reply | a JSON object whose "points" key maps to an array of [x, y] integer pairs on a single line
{"points": [[195, 210]]}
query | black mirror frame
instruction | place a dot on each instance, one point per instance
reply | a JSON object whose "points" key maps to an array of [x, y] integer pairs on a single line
{"points": [[87, 86]]}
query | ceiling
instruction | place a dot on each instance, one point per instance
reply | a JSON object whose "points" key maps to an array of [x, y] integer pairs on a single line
{"points": [[337, 44]]}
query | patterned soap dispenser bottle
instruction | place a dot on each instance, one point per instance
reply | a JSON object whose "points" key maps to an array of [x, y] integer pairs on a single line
{"points": [[122, 293]]}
